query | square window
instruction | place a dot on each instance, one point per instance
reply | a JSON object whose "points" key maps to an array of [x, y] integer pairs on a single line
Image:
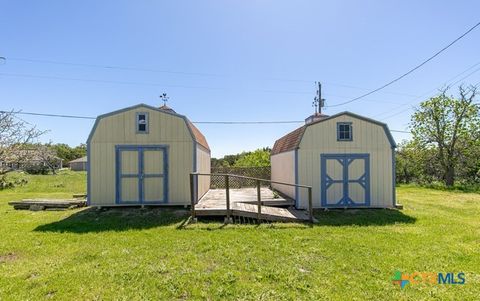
{"points": [[344, 131], [142, 123]]}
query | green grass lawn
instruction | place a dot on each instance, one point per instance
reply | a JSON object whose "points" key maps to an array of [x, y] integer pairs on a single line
{"points": [[134, 254]]}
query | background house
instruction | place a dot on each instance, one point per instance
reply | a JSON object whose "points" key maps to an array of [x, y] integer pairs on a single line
{"points": [[348, 159], [143, 155], [39, 159], [79, 164]]}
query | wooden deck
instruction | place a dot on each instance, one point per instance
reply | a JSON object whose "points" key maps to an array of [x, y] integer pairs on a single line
{"points": [[243, 202]]}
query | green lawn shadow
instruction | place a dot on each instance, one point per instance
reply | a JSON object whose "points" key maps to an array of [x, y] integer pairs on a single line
{"points": [[91, 220], [324, 218], [362, 217], [116, 219]]}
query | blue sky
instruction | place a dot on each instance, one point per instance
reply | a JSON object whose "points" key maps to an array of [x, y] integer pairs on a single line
{"points": [[229, 60]]}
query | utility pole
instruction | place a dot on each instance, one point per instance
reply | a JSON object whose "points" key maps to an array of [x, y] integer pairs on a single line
{"points": [[318, 101]]}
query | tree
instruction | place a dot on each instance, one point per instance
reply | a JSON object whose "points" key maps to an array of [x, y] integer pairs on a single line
{"points": [[67, 153], [415, 163], [258, 158], [450, 125], [14, 136], [79, 151], [63, 151], [47, 156], [407, 167]]}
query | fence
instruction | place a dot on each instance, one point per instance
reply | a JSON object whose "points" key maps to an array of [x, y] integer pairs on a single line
{"points": [[246, 173]]}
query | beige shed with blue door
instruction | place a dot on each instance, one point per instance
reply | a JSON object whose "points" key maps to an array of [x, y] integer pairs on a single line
{"points": [[347, 159], [143, 155]]}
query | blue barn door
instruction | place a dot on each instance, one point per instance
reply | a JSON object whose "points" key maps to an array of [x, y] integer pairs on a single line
{"points": [[345, 180], [141, 174]]}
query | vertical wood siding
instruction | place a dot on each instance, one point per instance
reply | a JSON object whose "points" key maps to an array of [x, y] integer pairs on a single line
{"points": [[368, 138], [283, 170], [118, 129], [203, 166]]}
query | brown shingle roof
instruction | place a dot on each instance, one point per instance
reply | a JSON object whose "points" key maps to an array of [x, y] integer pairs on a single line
{"points": [[288, 142], [199, 138], [198, 135]]}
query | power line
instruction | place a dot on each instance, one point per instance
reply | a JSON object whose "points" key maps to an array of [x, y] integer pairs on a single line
{"points": [[47, 115], [143, 83], [111, 67], [131, 68], [249, 122], [410, 71], [164, 85], [199, 122], [445, 84], [196, 122]]}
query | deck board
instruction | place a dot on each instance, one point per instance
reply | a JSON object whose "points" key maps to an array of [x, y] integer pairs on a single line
{"points": [[243, 202]]}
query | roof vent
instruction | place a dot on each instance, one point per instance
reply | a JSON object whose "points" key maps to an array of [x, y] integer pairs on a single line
{"points": [[315, 117]]}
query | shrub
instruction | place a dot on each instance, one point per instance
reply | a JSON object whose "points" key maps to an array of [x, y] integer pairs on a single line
{"points": [[11, 182], [36, 169]]}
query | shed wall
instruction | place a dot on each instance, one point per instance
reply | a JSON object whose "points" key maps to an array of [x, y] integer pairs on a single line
{"points": [[120, 129], [283, 170], [203, 166], [78, 166], [368, 138]]}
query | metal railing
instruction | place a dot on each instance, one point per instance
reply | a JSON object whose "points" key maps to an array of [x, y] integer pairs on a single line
{"points": [[194, 187]]}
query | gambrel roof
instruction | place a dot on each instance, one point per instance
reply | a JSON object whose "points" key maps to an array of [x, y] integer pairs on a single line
{"points": [[197, 136], [291, 141]]}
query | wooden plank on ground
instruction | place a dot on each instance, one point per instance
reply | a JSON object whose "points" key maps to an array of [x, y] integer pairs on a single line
{"points": [[43, 204]]}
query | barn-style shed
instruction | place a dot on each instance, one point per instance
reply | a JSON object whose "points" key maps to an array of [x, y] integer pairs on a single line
{"points": [[143, 155], [348, 159]]}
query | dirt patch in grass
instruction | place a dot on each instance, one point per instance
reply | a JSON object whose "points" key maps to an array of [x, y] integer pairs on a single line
{"points": [[9, 257]]}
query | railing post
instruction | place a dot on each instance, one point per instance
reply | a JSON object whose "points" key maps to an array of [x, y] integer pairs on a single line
{"points": [[192, 194], [259, 200], [227, 187], [310, 207]]}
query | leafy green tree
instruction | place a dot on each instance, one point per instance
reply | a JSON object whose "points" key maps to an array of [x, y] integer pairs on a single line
{"points": [[231, 160], [258, 158], [79, 151], [469, 162], [407, 167], [64, 151], [450, 125], [67, 153], [416, 163]]}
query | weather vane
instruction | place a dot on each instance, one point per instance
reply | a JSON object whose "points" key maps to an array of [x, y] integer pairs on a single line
{"points": [[165, 98]]}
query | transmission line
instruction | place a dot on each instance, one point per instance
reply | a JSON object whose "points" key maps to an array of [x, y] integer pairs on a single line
{"points": [[408, 72], [196, 122]]}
